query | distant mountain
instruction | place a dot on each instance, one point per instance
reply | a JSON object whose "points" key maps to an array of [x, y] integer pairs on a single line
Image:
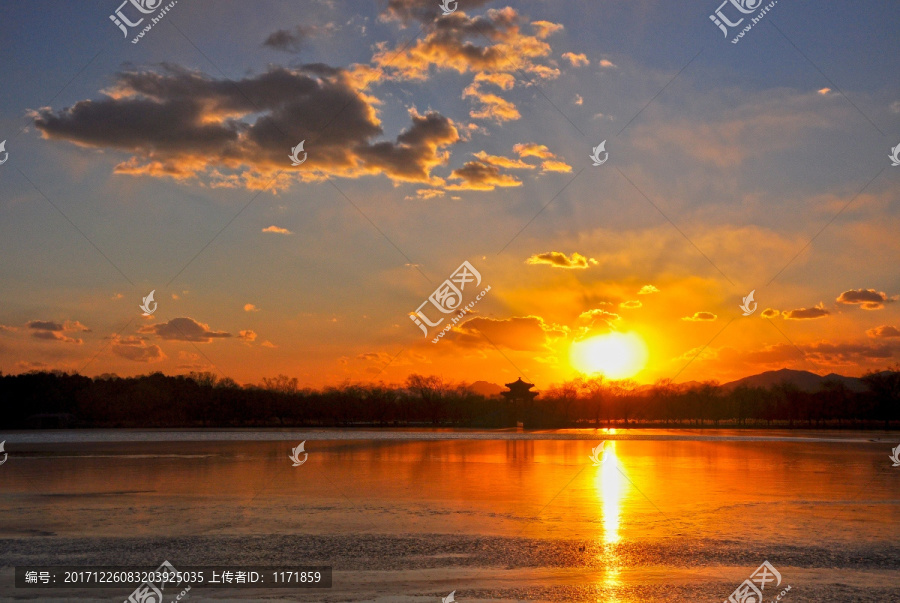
{"points": [[802, 380], [486, 389]]}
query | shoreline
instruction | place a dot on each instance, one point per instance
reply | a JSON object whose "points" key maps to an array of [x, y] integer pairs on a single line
{"points": [[126, 435]]}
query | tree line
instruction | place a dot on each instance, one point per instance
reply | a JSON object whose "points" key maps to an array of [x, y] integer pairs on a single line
{"points": [[58, 399]]}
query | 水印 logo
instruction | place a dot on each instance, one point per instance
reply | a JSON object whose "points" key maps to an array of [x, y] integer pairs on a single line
{"points": [[5, 455], [748, 305], [595, 155], [295, 152], [143, 7], [145, 305], [740, 9], [751, 590], [6, 155], [447, 298], [445, 6], [895, 155], [296, 452], [894, 457], [598, 454]]}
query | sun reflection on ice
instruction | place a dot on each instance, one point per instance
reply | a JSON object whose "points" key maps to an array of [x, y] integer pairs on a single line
{"points": [[611, 485]]}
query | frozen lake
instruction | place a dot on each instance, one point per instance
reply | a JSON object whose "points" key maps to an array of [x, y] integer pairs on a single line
{"points": [[412, 515]]}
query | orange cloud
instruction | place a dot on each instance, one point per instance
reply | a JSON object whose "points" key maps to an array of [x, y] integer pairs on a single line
{"points": [[457, 42], [700, 317], [558, 259], [553, 165], [504, 162], [647, 290], [492, 106], [277, 230], [479, 176], [533, 149], [576, 60]]}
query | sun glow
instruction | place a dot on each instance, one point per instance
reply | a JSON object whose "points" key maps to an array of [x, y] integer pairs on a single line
{"points": [[615, 355]]}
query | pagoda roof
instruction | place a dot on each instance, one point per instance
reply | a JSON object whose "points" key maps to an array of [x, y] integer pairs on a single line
{"points": [[518, 384]]}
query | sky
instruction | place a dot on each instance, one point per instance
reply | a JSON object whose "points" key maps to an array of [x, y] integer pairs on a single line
{"points": [[728, 165]]}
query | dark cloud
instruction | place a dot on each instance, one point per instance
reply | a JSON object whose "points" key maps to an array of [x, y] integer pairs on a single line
{"points": [[136, 349], [45, 325], [525, 333], [421, 10], [49, 330], [184, 124], [884, 331], [806, 313], [294, 40], [185, 329], [770, 313], [868, 299]]}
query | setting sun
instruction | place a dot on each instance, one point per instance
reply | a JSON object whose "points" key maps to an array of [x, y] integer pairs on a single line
{"points": [[615, 355]]}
